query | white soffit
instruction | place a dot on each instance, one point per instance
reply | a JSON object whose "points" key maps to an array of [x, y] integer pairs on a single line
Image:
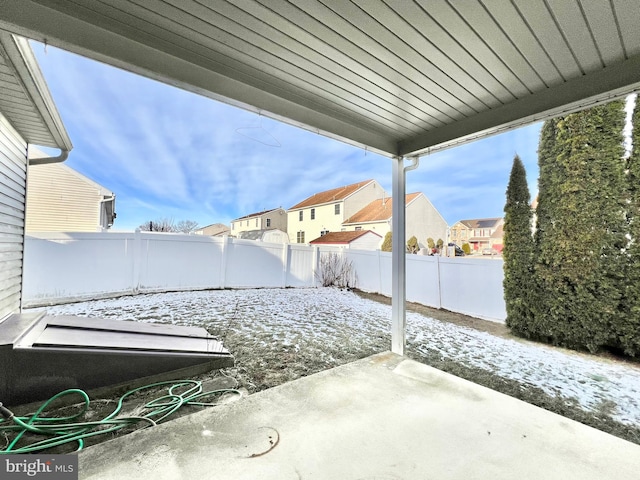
{"points": [[398, 77], [24, 97]]}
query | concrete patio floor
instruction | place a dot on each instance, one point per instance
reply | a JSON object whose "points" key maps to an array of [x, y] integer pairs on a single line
{"points": [[384, 418]]}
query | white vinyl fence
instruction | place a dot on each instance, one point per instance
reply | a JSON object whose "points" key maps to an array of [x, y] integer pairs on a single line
{"points": [[67, 267]]}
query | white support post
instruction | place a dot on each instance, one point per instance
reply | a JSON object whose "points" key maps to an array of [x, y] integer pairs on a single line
{"points": [[398, 258], [398, 254]]}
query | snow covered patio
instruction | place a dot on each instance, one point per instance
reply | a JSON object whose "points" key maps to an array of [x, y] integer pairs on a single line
{"points": [[383, 417]]}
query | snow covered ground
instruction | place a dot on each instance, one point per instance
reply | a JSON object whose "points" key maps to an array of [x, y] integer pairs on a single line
{"points": [[338, 320]]}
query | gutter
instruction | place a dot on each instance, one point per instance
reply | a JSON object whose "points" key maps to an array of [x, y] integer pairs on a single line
{"points": [[47, 160]]}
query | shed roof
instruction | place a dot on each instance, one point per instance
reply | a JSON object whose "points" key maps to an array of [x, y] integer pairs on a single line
{"points": [[342, 237], [398, 78]]}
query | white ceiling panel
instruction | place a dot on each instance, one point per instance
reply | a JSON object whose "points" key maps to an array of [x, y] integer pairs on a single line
{"points": [[398, 77]]}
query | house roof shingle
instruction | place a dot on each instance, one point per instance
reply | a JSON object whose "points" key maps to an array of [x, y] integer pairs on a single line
{"points": [[342, 237], [378, 210], [481, 222], [332, 195], [257, 214]]}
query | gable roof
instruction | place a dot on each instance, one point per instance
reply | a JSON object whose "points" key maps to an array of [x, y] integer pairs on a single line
{"points": [[378, 210], [257, 214], [219, 225], [342, 237], [216, 228], [333, 195], [481, 222]]}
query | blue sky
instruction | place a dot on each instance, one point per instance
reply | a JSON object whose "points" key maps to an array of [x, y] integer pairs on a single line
{"points": [[167, 153]]}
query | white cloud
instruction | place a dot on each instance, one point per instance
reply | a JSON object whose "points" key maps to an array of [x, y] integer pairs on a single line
{"points": [[170, 153]]}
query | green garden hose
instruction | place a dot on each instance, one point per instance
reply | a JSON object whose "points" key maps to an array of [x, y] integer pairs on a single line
{"points": [[62, 430]]}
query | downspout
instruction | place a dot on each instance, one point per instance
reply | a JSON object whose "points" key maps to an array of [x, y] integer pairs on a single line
{"points": [[46, 160], [108, 212], [398, 253]]}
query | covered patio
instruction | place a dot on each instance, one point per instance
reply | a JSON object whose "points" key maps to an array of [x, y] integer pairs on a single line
{"points": [[402, 79], [381, 418]]}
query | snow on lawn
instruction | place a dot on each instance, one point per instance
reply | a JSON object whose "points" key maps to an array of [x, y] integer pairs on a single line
{"points": [[331, 316]]}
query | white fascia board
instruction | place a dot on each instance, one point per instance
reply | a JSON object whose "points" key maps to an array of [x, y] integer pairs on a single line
{"points": [[586, 91]]}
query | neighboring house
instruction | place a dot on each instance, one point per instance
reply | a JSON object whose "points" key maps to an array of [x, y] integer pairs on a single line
{"points": [[28, 116], [422, 219], [265, 220], [326, 211], [213, 230], [273, 235], [476, 232], [495, 242], [534, 217], [358, 239], [60, 199]]}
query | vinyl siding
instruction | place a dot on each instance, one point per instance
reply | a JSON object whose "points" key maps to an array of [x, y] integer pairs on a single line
{"points": [[325, 219], [424, 221], [325, 216], [61, 200], [361, 198], [13, 174], [366, 242], [277, 220], [381, 227]]}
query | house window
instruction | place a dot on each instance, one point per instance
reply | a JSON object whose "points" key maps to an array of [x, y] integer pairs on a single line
{"points": [[337, 209], [300, 216], [268, 222], [256, 222], [313, 214], [358, 228], [324, 232], [300, 236]]}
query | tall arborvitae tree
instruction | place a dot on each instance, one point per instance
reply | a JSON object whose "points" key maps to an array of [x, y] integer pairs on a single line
{"points": [[550, 177], [582, 228], [518, 251], [629, 331]]}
